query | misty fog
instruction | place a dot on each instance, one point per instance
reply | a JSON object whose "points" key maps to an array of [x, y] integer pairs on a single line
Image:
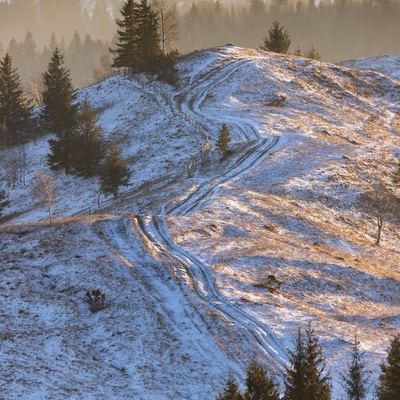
{"points": [[85, 29]]}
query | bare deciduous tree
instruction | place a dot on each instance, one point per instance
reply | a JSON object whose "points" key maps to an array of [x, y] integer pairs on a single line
{"points": [[104, 71], [381, 204], [15, 164], [168, 24], [35, 88], [45, 190]]}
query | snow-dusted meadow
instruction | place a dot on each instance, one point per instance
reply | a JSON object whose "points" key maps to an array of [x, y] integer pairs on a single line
{"points": [[186, 262]]}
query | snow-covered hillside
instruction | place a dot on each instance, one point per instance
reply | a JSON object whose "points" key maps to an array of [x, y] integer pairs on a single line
{"points": [[387, 65], [203, 273]]}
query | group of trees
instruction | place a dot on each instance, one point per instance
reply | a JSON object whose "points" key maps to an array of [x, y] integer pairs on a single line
{"points": [[307, 379], [79, 145], [142, 30], [202, 24], [82, 56]]}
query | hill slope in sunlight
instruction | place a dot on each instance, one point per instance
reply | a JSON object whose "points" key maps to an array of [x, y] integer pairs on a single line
{"points": [[204, 271]]}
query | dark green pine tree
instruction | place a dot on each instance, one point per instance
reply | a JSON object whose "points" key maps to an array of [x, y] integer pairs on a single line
{"points": [[230, 390], [15, 110], [138, 40], [277, 40], [318, 382], [59, 112], [125, 53], [389, 379], [306, 379], [223, 139], [148, 39], [90, 149], [295, 382], [258, 384], [355, 381], [115, 172]]}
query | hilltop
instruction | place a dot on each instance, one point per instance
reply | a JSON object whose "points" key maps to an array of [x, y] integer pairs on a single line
{"points": [[204, 272]]}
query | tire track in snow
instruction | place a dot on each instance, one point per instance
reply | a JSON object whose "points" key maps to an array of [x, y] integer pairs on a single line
{"points": [[241, 334], [191, 100], [251, 336]]}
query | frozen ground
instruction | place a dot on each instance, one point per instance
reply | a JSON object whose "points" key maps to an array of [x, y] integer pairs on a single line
{"points": [[203, 273]]}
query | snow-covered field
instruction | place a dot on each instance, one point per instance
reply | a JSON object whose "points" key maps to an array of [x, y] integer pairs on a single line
{"points": [[204, 273]]}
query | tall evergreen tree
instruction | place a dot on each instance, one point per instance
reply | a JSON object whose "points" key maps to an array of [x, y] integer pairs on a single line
{"points": [[59, 112], [125, 53], [115, 172], [355, 381], [148, 39], [278, 39], [14, 108], [258, 384], [389, 379], [306, 379], [89, 142], [138, 39]]}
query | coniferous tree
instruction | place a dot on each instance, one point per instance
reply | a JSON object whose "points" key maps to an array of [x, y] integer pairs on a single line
{"points": [[230, 390], [389, 379], [138, 41], [355, 381], [59, 112], [223, 139], [115, 172], [14, 108], [278, 39], [258, 384], [148, 39], [125, 53], [89, 146], [313, 54], [306, 379]]}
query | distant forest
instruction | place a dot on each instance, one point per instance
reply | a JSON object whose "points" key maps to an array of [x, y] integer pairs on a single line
{"points": [[85, 30]]}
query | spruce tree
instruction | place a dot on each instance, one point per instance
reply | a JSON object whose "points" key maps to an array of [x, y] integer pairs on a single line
{"points": [[138, 40], [313, 54], [125, 53], [389, 379], [115, 172], [258, 384], [59, 112], [355, 381], [148, 39], [89, 148], [230, 390], [15, 110], [305, 378], [278, 39], [223, 139]]}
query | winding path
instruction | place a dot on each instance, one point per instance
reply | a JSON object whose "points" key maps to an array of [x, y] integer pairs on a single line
{"points": [[243, 335]]}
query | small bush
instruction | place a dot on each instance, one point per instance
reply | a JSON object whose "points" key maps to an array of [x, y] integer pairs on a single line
{"points": [[96, 300]]}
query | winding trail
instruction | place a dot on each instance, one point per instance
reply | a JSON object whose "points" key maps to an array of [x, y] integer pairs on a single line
{"points": [[242, 335]]}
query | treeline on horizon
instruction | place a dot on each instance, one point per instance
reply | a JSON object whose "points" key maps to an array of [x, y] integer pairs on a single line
{"points": [[340, 30]]}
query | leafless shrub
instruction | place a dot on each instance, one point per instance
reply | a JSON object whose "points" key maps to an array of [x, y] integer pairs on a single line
{"points": [[96, 300], [278, 101]]}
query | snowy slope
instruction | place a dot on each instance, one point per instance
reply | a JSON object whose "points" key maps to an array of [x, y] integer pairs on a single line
{"points": [[387, 65], [186, 262]]}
